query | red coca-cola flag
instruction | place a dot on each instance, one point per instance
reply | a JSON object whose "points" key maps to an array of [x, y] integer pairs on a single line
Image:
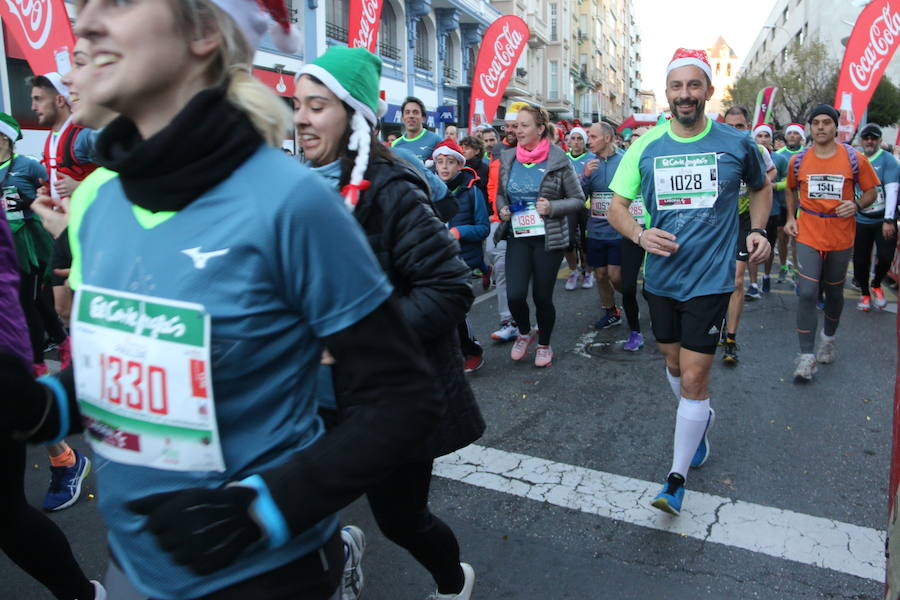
{"points": [[365, 16], [43, 31], [873, 42], [501, 47], [282, 83]]}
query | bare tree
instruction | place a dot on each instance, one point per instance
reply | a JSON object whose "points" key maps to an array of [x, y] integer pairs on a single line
{"points": [[805, 79]]}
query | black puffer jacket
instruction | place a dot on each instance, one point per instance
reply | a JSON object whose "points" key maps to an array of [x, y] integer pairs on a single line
{"points": [[421, 259]]}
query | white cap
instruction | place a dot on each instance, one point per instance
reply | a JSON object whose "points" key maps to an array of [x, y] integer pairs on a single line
{"points": [[580, 132], [56, 79]]}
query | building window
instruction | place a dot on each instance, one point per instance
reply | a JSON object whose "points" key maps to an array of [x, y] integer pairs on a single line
{"points": [[785, 15], [728, 70], [387, 33], [336, 19], [553, 90], [718, 68], [450, 73], [554, 21], [422, 59]]}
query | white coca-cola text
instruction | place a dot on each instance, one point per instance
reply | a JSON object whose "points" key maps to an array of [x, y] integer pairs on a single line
{"points": [[506, 51], [35, 18], [883, 34], [365, 37]]}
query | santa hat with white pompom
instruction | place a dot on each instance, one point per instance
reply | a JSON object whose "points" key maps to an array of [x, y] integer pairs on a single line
{"points": [[255, 18]]}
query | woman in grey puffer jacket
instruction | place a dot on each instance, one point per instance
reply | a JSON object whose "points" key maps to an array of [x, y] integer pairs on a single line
{"points": [[537, 189]]}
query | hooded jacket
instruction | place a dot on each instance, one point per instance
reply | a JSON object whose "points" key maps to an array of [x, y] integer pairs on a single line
{"points": [[471, 224]]}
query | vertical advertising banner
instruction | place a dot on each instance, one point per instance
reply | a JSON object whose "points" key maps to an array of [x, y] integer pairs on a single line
{"points": [[42, 29], [501, 48], [765, 104], [365, 16], [871, 46]]}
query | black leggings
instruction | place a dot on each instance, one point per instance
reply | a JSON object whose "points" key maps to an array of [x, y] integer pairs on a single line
{"points": [[866, 236], [29, 538], [40, 315], [467, 342], [528, 262], [400, 506], [632, 259]]}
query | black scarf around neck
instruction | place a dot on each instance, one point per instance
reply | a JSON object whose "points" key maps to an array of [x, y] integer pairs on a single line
{"points": [[199, 149]]}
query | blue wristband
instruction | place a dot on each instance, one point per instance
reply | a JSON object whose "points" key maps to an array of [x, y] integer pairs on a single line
{"points": [[267, 512], [62, 403]]}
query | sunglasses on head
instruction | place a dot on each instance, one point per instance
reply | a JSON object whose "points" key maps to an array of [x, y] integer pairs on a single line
{"points": [[869, 136]]}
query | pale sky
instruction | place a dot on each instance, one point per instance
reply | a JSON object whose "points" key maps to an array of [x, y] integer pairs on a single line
{"points": [[696, 24]]}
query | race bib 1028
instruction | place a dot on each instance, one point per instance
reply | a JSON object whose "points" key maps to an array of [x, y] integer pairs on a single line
{"points": [[143, 380], [686, 182]]}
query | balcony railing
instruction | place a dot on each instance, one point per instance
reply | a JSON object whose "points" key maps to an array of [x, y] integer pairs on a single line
{"points": [[336, 32], [422, 62], [388, 51], [450, 74]]}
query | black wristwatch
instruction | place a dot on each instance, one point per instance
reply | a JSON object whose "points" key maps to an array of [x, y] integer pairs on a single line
{"points": [[758, 230]]}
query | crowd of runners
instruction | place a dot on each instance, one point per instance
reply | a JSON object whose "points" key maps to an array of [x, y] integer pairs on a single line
{"points": [[242, 383]]}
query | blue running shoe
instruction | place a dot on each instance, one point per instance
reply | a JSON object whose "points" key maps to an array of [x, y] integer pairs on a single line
{"points": [[65, 483], [669, 499], [702, 453], [752, 293], [766, 284], [612, 318]]}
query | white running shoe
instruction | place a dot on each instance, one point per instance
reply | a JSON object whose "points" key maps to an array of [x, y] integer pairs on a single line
{"points": [[354, 545], [826, 352], [588, 282], [99, 591], [806, 367], [466, 593], [507, 332], [572, 281]]}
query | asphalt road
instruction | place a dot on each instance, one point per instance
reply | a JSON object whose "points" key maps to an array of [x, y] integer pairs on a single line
{"points": [[817, 453]]}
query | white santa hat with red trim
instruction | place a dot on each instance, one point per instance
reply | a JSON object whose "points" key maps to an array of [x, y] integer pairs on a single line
{"points": [[255, 18], [448, 148], [762, 127], [684, 57], [796, 128]]}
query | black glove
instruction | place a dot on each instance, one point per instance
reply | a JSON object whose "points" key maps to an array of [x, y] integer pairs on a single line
{"points": [[15, 204], [203, 529], [24, 404]]}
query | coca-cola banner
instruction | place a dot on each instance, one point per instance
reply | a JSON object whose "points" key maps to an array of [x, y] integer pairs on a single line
{"points": [[282, 83], [365, 16], [501, 47], [873, 42], [42, 29]]}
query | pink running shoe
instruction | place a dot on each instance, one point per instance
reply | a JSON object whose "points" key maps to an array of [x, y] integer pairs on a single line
{"points": [[544, 356], [40, 369], [523, 345]]}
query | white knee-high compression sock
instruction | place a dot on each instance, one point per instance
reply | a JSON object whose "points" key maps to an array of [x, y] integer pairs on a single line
{"points": [[689, 427]]}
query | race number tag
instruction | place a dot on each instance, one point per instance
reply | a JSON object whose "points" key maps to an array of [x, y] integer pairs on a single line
{"points": [[825, 187], [600, 202], [686, 182], [637, 210], [143, 380], [11, 201], [528, 223], [877, 206]]}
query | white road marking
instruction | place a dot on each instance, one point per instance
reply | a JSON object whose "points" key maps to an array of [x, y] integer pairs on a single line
{"points": [[784, 534], [484, 297]]}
